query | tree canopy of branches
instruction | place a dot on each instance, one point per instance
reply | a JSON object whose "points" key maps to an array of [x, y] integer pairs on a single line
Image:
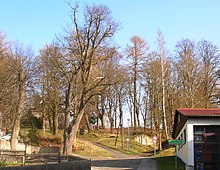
{"points": [[81, 78], [81, 49]]}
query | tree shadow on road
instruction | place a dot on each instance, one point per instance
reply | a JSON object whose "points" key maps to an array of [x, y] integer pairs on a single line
{"points": [[125, 164]]}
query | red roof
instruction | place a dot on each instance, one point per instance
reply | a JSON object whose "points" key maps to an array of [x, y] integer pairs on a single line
{"points": [[194, 112], [183, 114]]}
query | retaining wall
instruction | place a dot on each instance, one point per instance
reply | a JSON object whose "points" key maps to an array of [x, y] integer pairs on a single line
{"points": [[75, 165]]}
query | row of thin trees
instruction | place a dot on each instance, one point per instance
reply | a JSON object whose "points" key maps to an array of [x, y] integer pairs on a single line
{"points": [[161, 81], [83, 78]]}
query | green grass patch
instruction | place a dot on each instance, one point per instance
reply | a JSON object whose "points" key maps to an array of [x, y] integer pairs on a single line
{"points": [[2, 164], [168, 163], [166, 160], [166, 152]]}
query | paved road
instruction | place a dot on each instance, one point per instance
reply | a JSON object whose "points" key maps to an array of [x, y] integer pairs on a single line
{"points": [[121, 161], [125, 164]]}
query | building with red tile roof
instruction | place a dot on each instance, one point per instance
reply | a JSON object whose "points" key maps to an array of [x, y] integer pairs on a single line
{"points": [[200, 131]]}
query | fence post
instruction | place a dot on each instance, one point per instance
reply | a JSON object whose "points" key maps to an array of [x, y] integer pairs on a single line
{"points": [[59, 157], [25, 154]]}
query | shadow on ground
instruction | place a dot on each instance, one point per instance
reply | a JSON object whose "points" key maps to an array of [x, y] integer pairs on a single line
{"points": [[125, 164]]}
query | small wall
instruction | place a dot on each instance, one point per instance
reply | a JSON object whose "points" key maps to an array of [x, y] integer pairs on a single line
{"points": [[5, 145], [75, 165], [144, 140]]}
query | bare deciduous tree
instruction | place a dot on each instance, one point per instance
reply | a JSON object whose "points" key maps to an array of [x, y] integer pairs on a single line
{"points": [[188, 71], [84, 43], [137, 53], [162, 54], [21, 67], [210, 56]]}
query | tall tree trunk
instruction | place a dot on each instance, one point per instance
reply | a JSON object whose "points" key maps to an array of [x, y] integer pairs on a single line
{"points": [[67, 119], [110, 116], [44, 119], [102, 114], [15, 132], [135, 97], [87, 122], [43, 103], [55, 119], [71, 143], [111, 125], [20, 107], [145, 114], [98, 113], [102, 122], [115, 111], [161, 42], [49, 119], [121, 120]]}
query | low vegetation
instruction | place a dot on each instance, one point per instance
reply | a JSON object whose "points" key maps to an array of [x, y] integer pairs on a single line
{"points": [[168, 163], [166, 160], [37, 137]]}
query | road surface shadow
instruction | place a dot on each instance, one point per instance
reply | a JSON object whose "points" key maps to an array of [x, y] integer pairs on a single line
{"points": [[125, 164]]}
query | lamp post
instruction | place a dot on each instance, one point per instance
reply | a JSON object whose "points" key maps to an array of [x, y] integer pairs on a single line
{"points": [[99, 78], [43, 117], [160, 141], [128, 139], [155, 143]]}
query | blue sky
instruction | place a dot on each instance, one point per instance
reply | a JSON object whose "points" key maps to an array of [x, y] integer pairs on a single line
{"points": [[35, 22]]}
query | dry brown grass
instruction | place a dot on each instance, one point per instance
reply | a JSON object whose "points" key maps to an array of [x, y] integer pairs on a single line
{"points": [[86, 148]]}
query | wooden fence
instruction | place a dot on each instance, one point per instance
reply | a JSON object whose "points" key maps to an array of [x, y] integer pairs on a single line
{"points": [[12, 156], [52, 161]]}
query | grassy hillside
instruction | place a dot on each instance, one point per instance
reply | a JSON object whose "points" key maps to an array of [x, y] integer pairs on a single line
{"points": [[120, 143]]}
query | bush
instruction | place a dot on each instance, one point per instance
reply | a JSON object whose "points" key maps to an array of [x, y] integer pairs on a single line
{"points": [[33, 136], [29, 120]]}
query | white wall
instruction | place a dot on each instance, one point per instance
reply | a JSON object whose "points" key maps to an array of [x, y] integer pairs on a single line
{"points": [[182, 152], [144, 140], [186, 153], [190, 140], [5, 145]]}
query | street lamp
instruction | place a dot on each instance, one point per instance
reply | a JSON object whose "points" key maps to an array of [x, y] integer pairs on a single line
{"points": [[99, 78], [128, 139], [160, 143], [43, 117]]}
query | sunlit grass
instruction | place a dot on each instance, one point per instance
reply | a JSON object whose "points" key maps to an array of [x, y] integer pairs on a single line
{"points": [[83, 147], [166, 152], [110, 140]]}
